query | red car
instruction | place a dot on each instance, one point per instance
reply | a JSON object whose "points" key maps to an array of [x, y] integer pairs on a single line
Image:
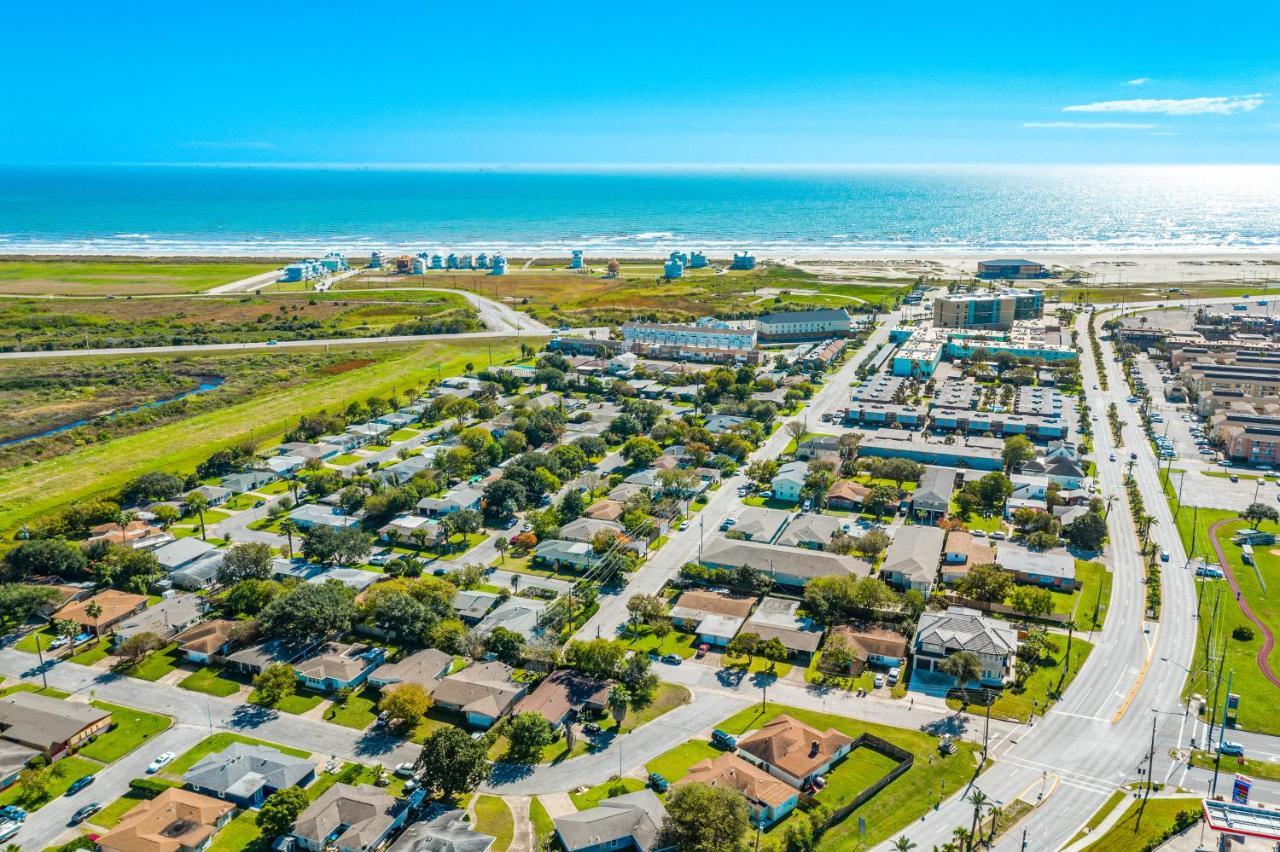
{"points": [[702, 650]]}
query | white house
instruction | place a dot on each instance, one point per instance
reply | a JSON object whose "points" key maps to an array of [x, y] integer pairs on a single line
{"points": [[789, 483]]}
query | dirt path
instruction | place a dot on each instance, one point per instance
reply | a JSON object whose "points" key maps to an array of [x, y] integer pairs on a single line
{"points": [[1268, 639]]}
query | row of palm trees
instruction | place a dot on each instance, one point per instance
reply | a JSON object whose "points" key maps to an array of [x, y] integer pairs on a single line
{"points": [[966, 839]]}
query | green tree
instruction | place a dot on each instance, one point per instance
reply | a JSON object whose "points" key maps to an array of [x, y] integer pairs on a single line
{"points": [[20, 601], [249, 597], [618, 702], [985, 583], [881, 501], [1256, 513], [275, 682], [330, 546], [310, 612], [1087, 532], [1018, 450], [404, 702], [45, 558], [527, 734], [250, 560], [134, 649], [599, 658], [964, 667], [640, 451], [290, 528], [278, 812], [198, 504], [703, 818], [871, 543], [452, 762], [506, 644]]}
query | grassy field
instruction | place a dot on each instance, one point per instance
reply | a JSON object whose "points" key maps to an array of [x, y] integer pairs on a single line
{"points": [[1257, 695], [158, 664], [684, 645], [101, 468], [210, 681], [240, 835], [358, 712], [119, 277], [493, 818], [674, 764], [61, 775], [607, 790], [1264, 769], [1158, 819], [901, 802], [132, 729], [1088, 604]]}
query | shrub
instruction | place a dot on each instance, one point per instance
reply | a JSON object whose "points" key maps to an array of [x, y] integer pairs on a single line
{"points": [[1243, 632], [147, 787]]}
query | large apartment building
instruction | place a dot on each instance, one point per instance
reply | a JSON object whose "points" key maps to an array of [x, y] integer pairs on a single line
{"points": [[1249, 433], [991, 309], [1214, 382], [788, 326], [706, 339]]}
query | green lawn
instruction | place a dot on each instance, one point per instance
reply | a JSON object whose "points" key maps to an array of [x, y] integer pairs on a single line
{"points": [[32, 687], [359, 711], [608, 790], [131, 728], [345, 459], [354, 774], [61, 776], [210, 681], [684, 645], [92, 653], [756, 664], [218, 742], [36, 641], [273, 488], [897, 805], [674, 764], [771, 503], [1018, 704], [977, 521], [158, 664], [1257, 695], [1157, 820], [432, 722], [858, 771], [102, 467], [493, 818], [240, 835], [543, 827], [1254, 768], [668, 697], [401, 435], [238, 503], [1088, 603], [812, 674]]}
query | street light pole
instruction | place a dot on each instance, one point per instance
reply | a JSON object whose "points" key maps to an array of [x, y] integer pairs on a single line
{"points": [[1151, 756], [1222, 730]]}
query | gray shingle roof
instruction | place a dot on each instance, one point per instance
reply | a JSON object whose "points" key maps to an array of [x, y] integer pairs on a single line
{"points": [[637, 816], [915, 552], [241, 769], [962, 629]]}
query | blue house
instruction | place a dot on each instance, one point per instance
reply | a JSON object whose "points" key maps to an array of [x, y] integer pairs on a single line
{"points": [[337, 665], [482, 261], [743, 261], [673, 268], [437, 262], [575, 262], [375, 260], [680, 256], [499, 265], [697, 260]]}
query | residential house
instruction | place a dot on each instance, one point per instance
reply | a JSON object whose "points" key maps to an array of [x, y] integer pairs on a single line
{"points": [[14, 757], [309, 451], [214, 495], [199, 574], [776, 618], [585, 529], [604, 510], [939, 635], [911, 562], [442, 831], [519, 615], [932, 498], [181, 553], [482, 693], [247, 480], [1029, 486], [457, 499], [714, 616], [368, 432], [410, 528], [718, 424], [247, 774], [317, 575], [112, 607], [284, 465], [253, 659], [338, 665], [768, 798], [200, 643], [873, 646], [556, 553], [794, 752], [67, 593], [818, 447], [845, 495], [961, 553], [786, 566], [174, 821], [349, 818], [626, 822], [425, 668], [755, 523], [472, 606], [1054, 569], [788, 484], [812, 531], [1067, 473], [564, 695], [50, 725], [310, 515], [166, 619]]}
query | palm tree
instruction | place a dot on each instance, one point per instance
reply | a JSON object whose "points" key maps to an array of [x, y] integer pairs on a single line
{"points": [[619, 701], [515, 582], [198, 503], [996, 813], [123, 519], [289, 526], [501, 544], [903, 844], [979, 801], [961, 836]]}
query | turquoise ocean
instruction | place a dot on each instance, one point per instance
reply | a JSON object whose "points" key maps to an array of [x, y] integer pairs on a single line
{"points": [[811, 212]]}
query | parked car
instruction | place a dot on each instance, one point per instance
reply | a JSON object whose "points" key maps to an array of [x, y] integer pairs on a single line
{"points": [[1133, 456], [510, 522], [161, 761], [702, 650], [591, 729], [998, 535], [684, 525], [13, 812], [879, 680], [1231, 748], [724, 740], [672, 659], [767, 495], [728, 522], [894, 674], [658, 783], [1164, 556], [85, 812], [79, 784], [1235, 478], [9, 828], [404, 770], [1209, 571]]}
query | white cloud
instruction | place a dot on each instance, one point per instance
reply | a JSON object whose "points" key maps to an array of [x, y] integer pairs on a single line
{"points": [[1089, 125], [1176, 106], [1138, 81]]}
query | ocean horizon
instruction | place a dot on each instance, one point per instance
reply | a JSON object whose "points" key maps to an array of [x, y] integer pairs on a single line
{"points": [[774, 211]]}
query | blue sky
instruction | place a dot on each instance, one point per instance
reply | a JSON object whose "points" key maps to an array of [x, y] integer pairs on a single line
{"points": [[629, 83]]}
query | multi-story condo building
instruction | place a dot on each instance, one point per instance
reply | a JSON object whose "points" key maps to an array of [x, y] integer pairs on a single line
{"points": [[992, 309], [804, 325]]}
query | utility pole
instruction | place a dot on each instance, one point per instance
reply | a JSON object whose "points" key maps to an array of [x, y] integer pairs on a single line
{"points": [[1222, 730], [1208, 639], [1151, 756], [1213, 712]]}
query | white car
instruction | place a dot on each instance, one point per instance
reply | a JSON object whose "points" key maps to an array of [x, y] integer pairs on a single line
{"points": [[879, 681], [160, 762], [684, 525], [9, 828], [404, 770]]}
